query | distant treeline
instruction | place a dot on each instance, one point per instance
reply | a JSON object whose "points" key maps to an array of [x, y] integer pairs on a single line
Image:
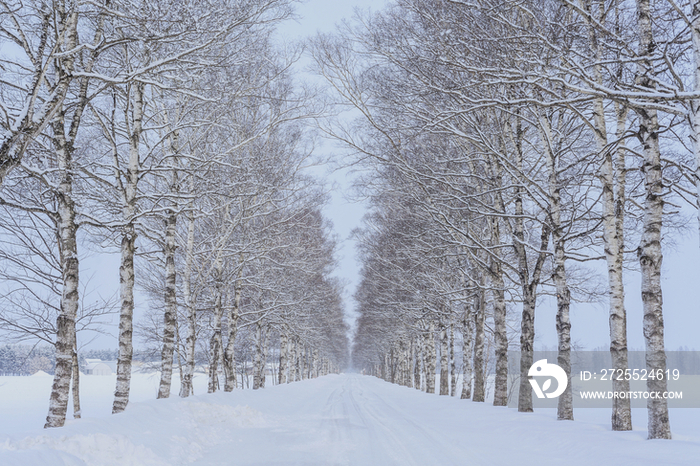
{"points": [[28, 359]]}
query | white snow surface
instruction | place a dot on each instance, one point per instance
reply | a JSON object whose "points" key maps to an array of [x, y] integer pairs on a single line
{"points": [[345, 419]]}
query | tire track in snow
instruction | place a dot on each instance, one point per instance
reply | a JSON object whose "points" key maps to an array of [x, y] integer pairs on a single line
{"points": [[442, 450], [363, 428]]}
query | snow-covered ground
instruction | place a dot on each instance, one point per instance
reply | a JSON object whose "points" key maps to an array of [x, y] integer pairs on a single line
{"points": [[336, 420]]}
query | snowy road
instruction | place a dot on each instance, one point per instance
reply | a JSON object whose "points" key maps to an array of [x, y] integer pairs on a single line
{"points": [[340, 420]]}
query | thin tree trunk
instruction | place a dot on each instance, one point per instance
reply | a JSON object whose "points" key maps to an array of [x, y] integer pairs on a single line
{"points": [[298, 355], [527, 320], [76, 385], [170, 297], [399, 352], [215, 342], [565, 408], [418, 346], [128, 249], [431, 357], [527, 324], [296, 363], [500, 395], [65, 323], [622, 412], [649, 251], [292, 361], [453, 362], [479, 394], [314, 364], [58, 403], [404, 355], [126, 349], [467, 350], [178, 350], [527, 338], [613, 212], [170, 315], [263, 359], [410, 350], [283, 358], [500, 329], [444, 361], [229, 352], [186, 388], [67, 230]]}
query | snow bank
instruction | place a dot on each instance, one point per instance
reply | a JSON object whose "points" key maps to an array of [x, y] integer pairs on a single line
{"points": [[156, 433], [343, 420]]}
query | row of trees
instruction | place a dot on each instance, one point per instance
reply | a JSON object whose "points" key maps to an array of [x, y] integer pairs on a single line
{"points": [[26, 360], [505, 144], [173, 133]]}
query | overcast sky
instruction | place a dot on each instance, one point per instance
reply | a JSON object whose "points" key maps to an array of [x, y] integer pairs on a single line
{"points": [[315, 16]]}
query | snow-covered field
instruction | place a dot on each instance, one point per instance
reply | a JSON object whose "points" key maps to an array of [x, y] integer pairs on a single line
{"points": [[340, 420]]}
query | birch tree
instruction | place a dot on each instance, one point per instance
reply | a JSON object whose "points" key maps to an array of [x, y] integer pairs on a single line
{"points": [[44, 44]]}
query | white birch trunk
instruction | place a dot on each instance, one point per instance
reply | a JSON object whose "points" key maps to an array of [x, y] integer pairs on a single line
{"points": [[649, 251], [565, 407], [215, 343], [292, 361], [68, 247], [622, 412], [613, 214], [467, 350], [75, 386], [430, 358], [453, 362], [527, 319], [128, 248], [229, 352], [296, 360], [263, 378], [66, 338], [170, 315], [479, 394], [400, 363], [444, 361], [282, 374], [407, 363], [529, 292], [170, 297], [314, 364], [500, 395], [186, 388], [418, 349]]}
